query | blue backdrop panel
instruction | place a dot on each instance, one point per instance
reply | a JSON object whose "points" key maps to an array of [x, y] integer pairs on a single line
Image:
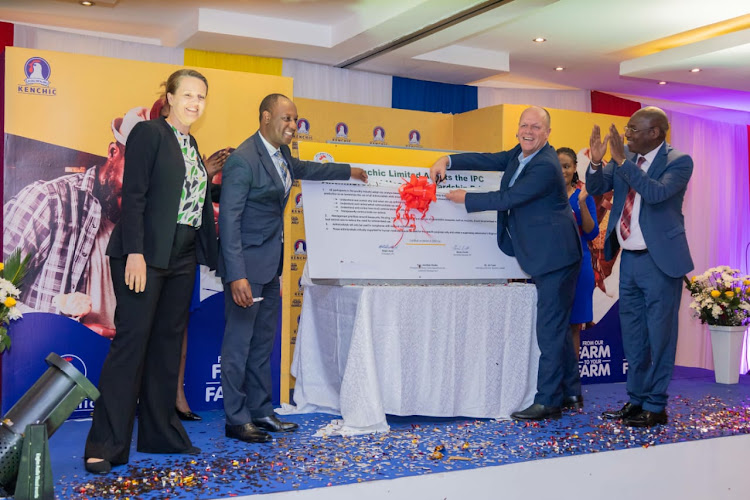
{"points": [[36, 335], [601, 358], [203, 364], [420, 95]]}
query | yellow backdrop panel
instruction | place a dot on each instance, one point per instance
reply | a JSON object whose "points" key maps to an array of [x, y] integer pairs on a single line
{"points": [[479, 130], [79, 115], [435, 129], [233, 62]]}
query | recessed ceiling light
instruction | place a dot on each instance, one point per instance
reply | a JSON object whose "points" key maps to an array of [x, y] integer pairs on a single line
{"points": [[540, 40], [662, 82], [86, 3], [695, 70], [559, 68]]}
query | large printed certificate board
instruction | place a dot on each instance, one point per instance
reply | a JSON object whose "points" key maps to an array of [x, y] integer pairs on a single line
{"points": [[352, 237]]}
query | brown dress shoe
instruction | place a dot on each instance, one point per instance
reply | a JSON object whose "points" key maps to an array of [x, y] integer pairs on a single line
{"points": [[629, 410], [273, 424], [246, 432]]}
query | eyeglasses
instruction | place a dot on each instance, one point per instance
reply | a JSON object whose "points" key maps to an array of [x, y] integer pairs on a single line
{"points": [[633, 130]]}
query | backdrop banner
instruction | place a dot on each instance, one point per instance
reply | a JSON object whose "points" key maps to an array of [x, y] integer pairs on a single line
{"points": [[67, 118]]}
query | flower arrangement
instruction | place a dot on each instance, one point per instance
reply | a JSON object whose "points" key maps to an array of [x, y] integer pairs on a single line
{"points": [[12, 273], [721, 296]]}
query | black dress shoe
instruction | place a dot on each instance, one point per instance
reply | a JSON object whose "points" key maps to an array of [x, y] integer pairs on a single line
{"points": [[629, 410], [273, 424], [573, 402], [537, 412], [193, 450], [101, 467], [646, 419], [246, 432], [188, 416]]}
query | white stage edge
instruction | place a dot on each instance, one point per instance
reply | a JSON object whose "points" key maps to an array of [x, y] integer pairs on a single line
{"points": [[710, 469]]}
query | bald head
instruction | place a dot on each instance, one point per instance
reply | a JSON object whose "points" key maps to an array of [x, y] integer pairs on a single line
{"points": [[533, 129], [655, 117]]}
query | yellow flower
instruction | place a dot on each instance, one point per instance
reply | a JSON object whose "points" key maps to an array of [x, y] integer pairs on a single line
{"points": [[715, 293], [2, 266], [729, 294], [746, 282], [9, 301], [692, 280], [737, 290]]}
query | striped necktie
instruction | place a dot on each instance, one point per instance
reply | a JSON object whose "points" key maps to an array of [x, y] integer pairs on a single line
{"points": [[283, 169]]}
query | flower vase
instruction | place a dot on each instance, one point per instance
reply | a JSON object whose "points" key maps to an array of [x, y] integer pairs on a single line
{"points": [[726, 343]]}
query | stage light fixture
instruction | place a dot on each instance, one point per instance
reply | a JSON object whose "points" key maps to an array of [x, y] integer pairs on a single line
{"points": [[36, 416]]}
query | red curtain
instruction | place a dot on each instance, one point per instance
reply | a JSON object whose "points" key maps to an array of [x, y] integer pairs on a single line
{"points": [[6, 40], [612, 105]]}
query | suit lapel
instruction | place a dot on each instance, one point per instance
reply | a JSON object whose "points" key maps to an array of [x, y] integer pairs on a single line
{"points": [[660, 162], [509, 172], [267, 162]]}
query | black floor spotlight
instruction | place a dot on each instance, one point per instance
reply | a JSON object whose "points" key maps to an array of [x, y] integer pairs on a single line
{"points": [[24, 452]]}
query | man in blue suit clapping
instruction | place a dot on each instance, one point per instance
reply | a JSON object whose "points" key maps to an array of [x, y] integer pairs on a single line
{"points": [[646, 222], [536, 225]]}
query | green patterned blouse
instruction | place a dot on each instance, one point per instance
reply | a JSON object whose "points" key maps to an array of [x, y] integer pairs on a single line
{"points": [[194, 187]]}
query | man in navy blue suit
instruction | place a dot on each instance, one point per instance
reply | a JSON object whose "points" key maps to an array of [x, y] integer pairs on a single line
{"points": [[256, 182], [646, 222], [536, 225]]}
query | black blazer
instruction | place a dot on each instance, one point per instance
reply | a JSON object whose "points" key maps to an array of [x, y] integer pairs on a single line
{"points": [[151, 190]]}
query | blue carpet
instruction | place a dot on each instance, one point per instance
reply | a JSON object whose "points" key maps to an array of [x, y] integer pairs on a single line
{"points": [[698, 409]]}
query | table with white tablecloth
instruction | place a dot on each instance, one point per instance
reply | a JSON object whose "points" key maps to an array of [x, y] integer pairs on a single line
{"points": [[367, 351]]}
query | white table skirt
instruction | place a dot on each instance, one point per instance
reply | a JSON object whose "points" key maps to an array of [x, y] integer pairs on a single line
{"points": [[367, 351]]}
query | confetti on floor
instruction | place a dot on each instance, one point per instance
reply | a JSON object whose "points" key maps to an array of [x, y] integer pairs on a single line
{"points": [[698, 409]]}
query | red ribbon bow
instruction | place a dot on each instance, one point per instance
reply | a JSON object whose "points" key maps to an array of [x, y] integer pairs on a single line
{"points": [[416, 194]]}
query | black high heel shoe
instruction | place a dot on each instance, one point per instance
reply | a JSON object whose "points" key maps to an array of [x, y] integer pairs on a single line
{"points": [[188, 416], [101, 467]]}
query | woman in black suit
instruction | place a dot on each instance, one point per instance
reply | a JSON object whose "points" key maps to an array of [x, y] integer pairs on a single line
{"points": [[166, 226]]}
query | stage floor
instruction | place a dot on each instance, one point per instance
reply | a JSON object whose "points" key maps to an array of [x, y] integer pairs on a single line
{"points": [[433, 448]]}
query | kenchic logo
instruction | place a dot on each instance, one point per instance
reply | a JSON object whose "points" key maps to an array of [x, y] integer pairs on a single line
{"points": [[37, 71]]}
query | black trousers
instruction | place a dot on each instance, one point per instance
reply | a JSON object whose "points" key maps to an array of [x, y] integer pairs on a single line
{"points": [[142, 365]]}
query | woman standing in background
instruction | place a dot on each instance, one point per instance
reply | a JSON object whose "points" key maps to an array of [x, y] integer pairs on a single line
{"points": [[583, 207]]}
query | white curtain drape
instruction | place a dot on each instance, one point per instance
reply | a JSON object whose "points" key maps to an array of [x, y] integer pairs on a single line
{"points": [[37, 38], [573, 100], [717, 214], [325, 83]]}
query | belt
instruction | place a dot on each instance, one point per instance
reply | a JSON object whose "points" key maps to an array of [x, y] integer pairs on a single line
{"points": [[638, 252]]}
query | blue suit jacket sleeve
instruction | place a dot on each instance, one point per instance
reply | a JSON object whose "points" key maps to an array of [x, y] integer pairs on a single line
{"points": [[600, 181], [481, 161], [236, 182], [655, 191], [537, 180]]}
